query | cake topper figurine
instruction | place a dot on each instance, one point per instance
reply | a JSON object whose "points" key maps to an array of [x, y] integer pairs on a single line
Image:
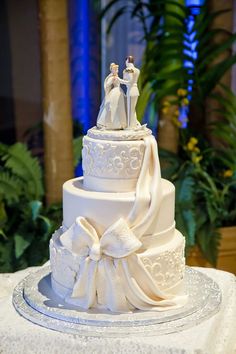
{"points": [[117, 110], [130, 76], [112, 113]]}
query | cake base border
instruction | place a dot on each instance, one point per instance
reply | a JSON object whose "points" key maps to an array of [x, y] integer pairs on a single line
{"points": [[97, 328]]}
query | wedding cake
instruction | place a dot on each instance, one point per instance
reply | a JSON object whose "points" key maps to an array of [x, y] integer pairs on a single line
{"points": [[118, 248]]}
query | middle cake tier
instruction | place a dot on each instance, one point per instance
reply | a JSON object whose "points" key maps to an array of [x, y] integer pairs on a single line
{"points": [[102, 209]]}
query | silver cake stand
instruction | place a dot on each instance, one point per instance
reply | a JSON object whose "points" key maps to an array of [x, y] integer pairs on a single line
{"points": [[34, 299]]}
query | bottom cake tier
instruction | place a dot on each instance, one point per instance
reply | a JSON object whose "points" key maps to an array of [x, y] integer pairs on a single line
{"points": [[165, 264]]}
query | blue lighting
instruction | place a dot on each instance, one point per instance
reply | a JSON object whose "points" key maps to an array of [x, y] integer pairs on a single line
{"points": [[183, 116], [194, 2], [79, 64], [79, 53], [190, 51], [85, 61]]}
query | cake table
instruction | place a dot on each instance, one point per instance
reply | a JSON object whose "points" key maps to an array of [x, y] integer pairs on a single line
{"points": [[214, 335]]}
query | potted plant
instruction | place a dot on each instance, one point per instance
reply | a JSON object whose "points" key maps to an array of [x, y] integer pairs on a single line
{"points": [[224, 208], [205, 181], [25, 224]]}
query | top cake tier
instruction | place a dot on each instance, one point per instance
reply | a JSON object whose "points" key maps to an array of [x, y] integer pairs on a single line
{"points": [[112, 160]]}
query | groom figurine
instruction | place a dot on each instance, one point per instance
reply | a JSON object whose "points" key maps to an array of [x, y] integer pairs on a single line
{"points": [[130, 76]]}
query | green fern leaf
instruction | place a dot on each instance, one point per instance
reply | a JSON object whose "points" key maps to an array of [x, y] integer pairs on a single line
{"points": [[170, 163], [21, 244], [23, 165], [144, 98], [209, 240], [35, 207], [3, 217], [11, 187], [212, 212], [185, 215], [3, 149], [186, 223], [184, 190], [6, 256]]}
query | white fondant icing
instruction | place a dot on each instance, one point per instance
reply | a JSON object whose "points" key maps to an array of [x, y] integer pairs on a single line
{"points": [[109, 185], [119, 251], [111, 166], [167, 266], [124, 135], [103, 209]]}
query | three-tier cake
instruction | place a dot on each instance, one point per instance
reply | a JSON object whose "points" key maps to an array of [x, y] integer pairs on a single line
{"points": [[118, 248]]}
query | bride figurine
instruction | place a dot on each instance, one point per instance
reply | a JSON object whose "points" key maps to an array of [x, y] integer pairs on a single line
{"points": [[112, 113]]}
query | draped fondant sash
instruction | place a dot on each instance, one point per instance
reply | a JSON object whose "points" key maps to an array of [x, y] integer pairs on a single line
{"points": [[148, 189], [111, 275]]}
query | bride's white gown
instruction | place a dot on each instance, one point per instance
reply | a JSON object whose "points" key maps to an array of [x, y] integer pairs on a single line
{"points": [[112, 113]]}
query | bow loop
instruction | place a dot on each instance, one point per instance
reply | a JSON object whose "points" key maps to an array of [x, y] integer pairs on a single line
{"points": [[80, 237], [117, 241]]}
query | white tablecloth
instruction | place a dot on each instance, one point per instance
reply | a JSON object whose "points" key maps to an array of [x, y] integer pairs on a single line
{"points": [[215, 335]]}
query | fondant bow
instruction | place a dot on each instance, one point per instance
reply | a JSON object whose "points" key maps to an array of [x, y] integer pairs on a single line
{"points": [[97, 279], [111, 275], [117, 241]]}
